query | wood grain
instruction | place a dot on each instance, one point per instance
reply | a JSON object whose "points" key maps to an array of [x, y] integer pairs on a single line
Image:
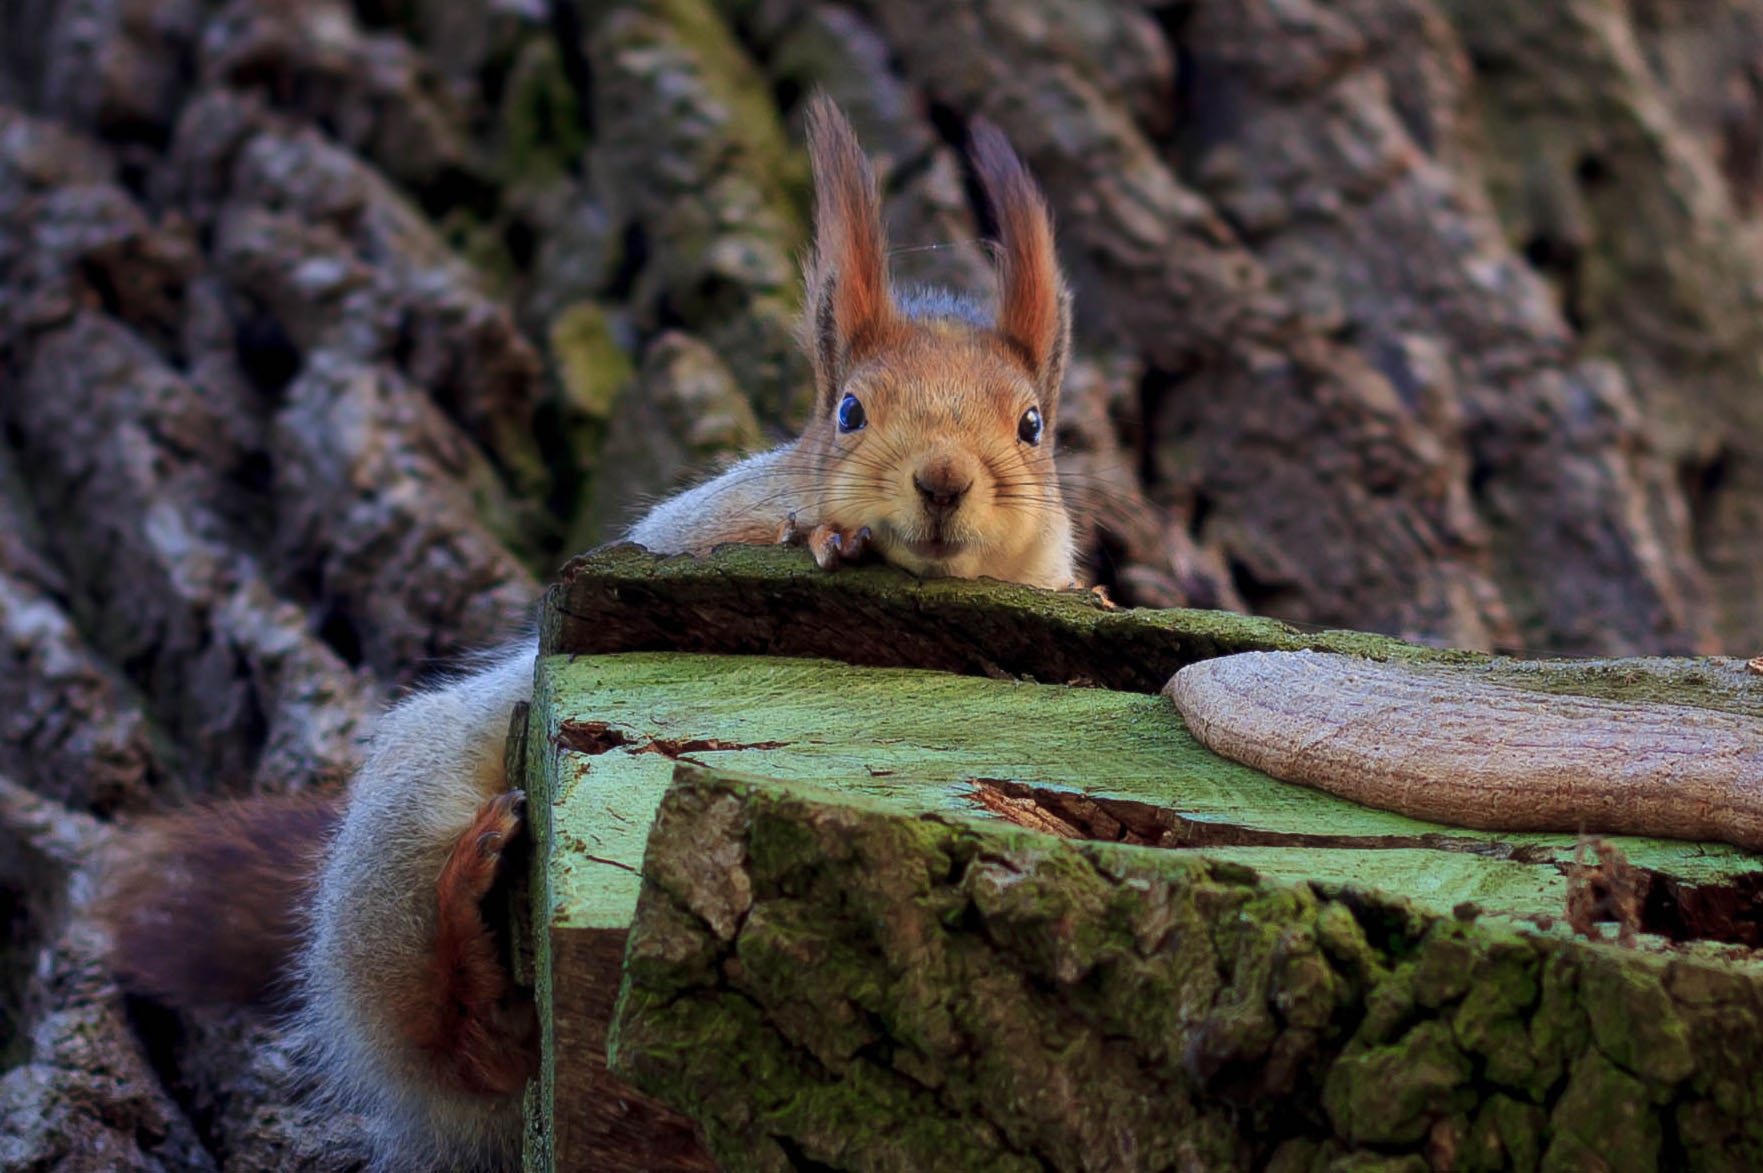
{"points": [[1451, 749]]}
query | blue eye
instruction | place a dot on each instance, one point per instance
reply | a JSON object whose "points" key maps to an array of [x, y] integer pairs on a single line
{"points": [[851, 417], [1029, 430]]}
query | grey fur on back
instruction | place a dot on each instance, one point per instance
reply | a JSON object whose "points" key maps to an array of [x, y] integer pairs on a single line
{"points": [[768, 487], [437, 756]]}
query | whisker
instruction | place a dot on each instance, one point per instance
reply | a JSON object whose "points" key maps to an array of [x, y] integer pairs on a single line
{"points": [[902, 250]]}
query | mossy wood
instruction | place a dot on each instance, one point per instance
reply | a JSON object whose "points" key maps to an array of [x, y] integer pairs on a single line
{"points": [[773, 601], [755, 600], [609, 731], [826, 984]]}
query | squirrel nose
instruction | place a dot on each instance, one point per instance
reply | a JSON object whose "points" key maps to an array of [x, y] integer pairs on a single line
{"points": [[941, 486]]}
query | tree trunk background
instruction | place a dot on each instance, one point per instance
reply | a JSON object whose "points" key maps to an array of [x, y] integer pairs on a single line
{"points": [[328, 330]]}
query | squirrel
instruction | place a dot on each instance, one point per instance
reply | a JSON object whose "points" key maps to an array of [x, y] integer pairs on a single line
{"points": [[361, 917]]}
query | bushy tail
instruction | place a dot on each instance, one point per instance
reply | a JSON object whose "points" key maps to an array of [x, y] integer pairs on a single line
{"points": [[206, 906]]}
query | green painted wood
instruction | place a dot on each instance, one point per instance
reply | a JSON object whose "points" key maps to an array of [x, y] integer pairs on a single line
{"points": [[924, 741], [762, 600], [608, 732]]}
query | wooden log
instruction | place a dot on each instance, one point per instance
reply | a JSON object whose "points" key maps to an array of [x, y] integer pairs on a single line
{"points": [[774, 601], [578, 1115], [753, 601], [828, 984], [608, 733]]}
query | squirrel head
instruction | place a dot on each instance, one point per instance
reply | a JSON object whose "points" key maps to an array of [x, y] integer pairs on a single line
{"points": [[933, 419]]}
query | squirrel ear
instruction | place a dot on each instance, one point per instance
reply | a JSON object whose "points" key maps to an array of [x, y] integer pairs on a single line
{"points": [[1034, 306], [849, 308]]}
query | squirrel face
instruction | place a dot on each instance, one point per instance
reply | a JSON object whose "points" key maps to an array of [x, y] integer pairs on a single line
{"points": [[933, 419], [940, 446]]}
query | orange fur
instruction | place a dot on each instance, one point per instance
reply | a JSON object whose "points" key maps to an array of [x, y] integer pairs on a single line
{"points": [[936, 479], [1034, 305], [206, 906], [850, 309], [462, 1017]]}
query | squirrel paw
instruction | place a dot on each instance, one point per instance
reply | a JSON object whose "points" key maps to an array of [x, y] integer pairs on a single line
{"points": [[829, 543], [463, 1018], [477, 855]]}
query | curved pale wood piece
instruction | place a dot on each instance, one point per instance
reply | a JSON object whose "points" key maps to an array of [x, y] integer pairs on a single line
{"points": [[1451, 749]]}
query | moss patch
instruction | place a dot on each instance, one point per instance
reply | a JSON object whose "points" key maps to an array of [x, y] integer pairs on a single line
{"points": [[540, 137], [928, 993]]}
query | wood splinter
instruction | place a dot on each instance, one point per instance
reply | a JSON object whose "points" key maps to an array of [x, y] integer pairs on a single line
{"points": [[1467, 753]]}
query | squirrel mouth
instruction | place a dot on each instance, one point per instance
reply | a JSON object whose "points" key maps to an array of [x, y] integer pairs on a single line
{"points": [[935, 549]]}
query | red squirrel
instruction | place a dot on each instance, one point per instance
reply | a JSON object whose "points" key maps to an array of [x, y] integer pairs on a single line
{"points": [[360, 915]]}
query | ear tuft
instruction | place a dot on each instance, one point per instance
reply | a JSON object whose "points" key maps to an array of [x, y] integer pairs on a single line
{"points": [[1034, 306], [848, 307]]}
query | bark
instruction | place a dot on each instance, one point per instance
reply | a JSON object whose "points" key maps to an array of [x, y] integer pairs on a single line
{"points": [[329, 330], [69, 716], [924, 993], [754, 601]]}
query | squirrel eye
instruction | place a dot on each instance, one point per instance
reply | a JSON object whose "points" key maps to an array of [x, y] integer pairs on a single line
{"points": [[851, 417], [1029, 430]]}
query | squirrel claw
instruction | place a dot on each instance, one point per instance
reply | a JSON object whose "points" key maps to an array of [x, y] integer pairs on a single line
{"points": [[471, 873], [505, 813], [831, 545]]}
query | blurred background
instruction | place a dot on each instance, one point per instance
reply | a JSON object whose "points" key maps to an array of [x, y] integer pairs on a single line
{"points": [[328, 330]]}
